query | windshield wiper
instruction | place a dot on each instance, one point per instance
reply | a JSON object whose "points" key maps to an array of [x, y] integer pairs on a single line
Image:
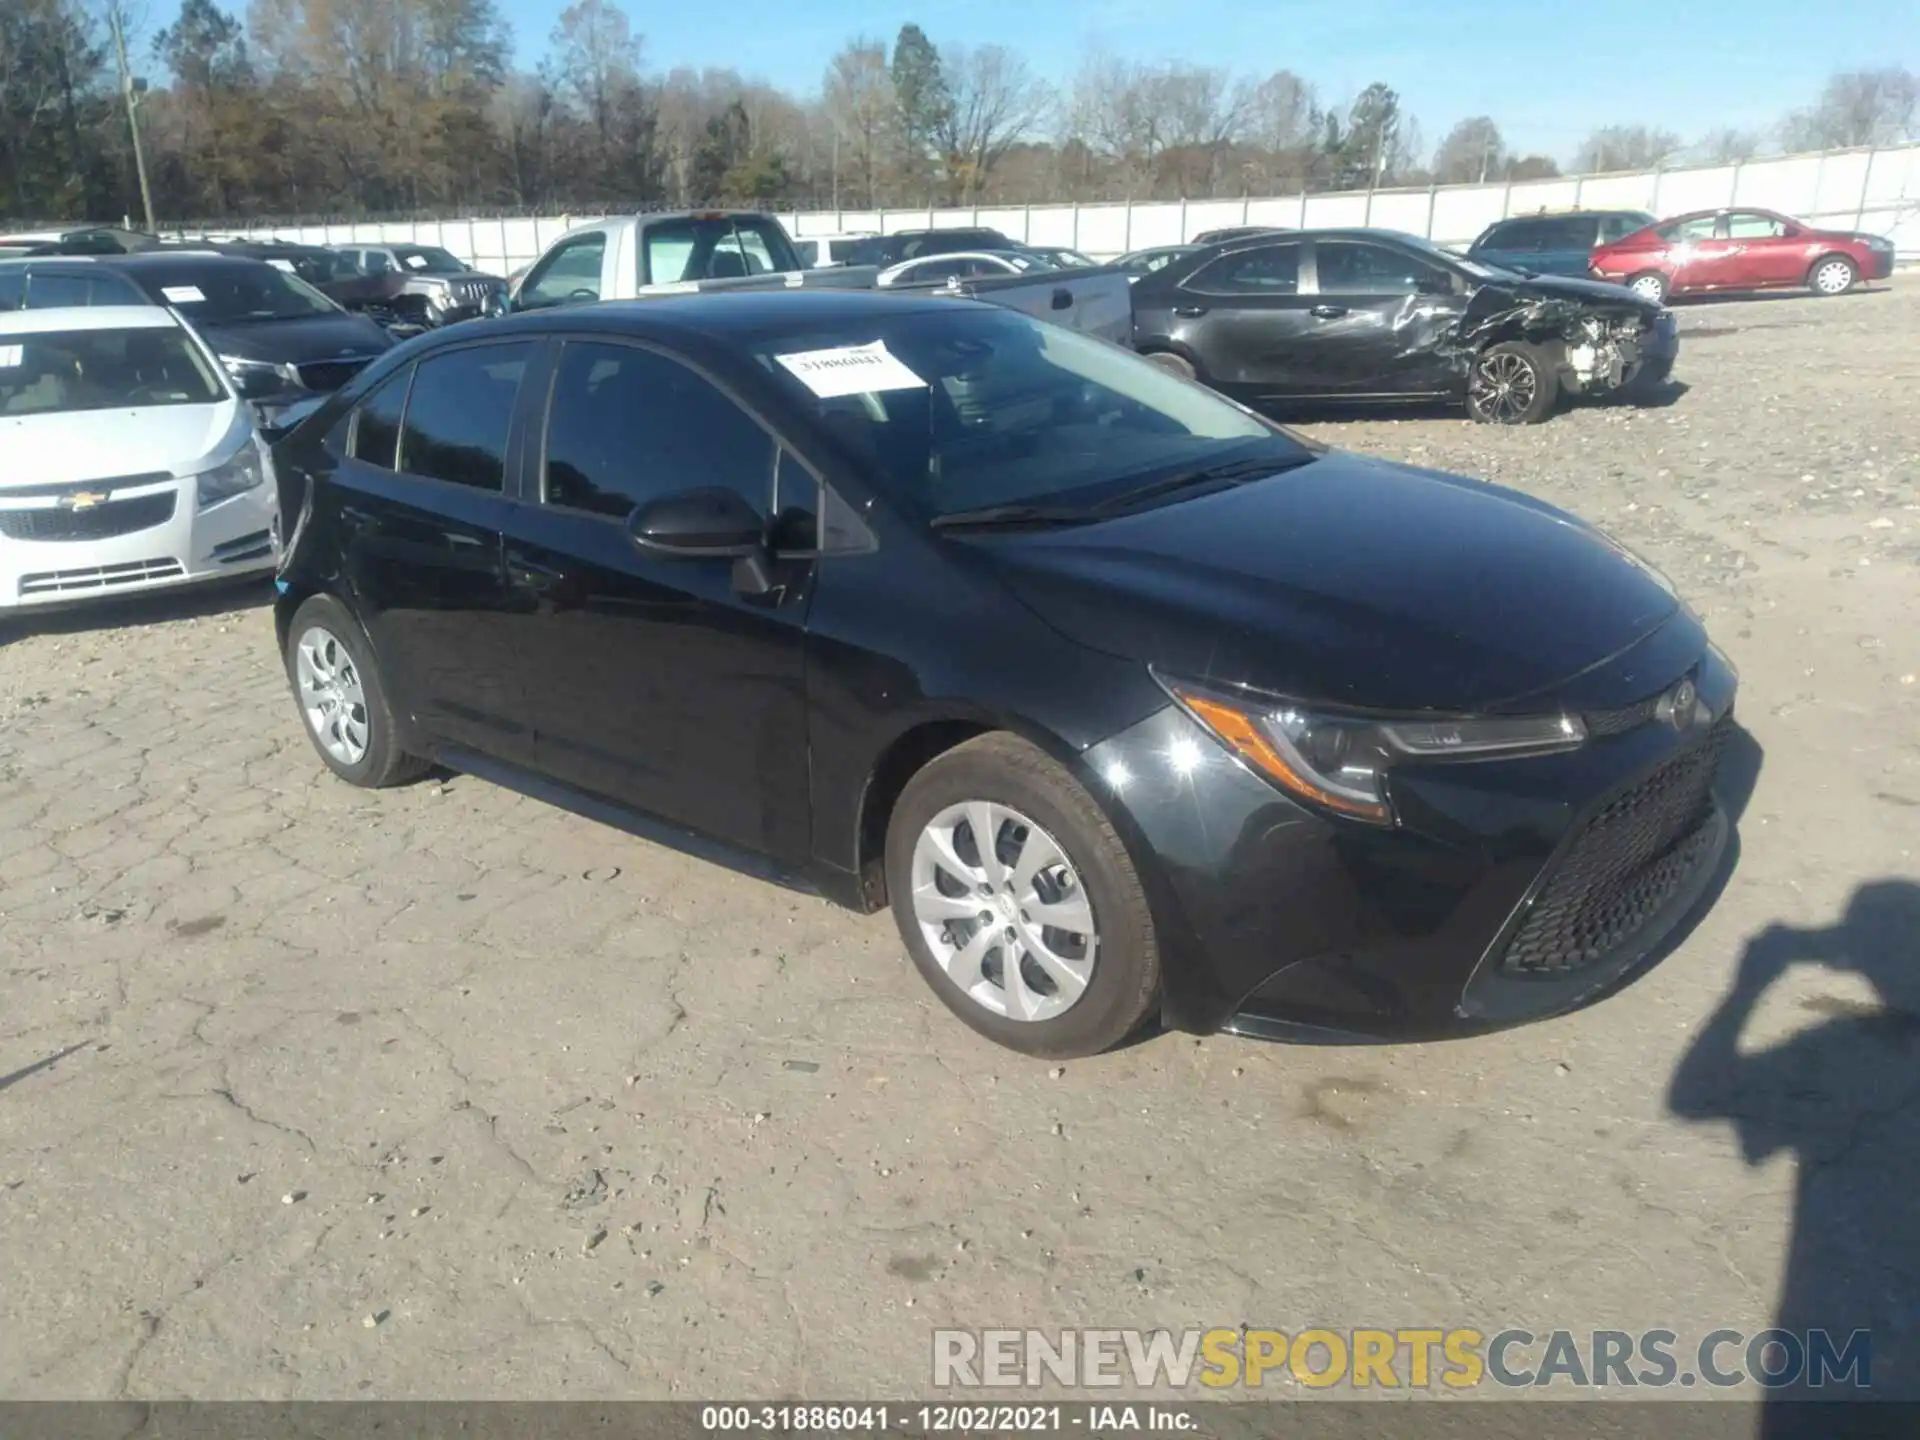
{"points": [[1009, 517], [1228, 471]]}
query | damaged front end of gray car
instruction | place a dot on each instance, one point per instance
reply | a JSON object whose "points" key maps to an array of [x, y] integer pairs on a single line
{"points": [[1520, 354]]}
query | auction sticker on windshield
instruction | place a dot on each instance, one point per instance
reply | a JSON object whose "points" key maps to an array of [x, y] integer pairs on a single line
{"points": [[851, 370], [182, 294]]}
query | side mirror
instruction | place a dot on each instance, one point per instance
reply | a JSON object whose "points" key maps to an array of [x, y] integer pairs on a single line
{"points": [[707, 524]]}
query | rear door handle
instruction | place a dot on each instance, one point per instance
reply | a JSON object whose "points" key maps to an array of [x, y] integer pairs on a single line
{"points": [[1062, 299], [1327, 312], [1189, 312], [532, 576]]}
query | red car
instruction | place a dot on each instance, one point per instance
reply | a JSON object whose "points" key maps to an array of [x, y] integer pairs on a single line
{"points": [[1741, 250]]}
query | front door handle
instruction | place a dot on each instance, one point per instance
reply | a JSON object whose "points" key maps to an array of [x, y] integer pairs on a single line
{"points": [[1327, 312], [1189, 312]]}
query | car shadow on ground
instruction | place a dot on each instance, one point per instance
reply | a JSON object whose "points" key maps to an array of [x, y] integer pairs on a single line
{"points": [[1842, 1097], [224, 597]]}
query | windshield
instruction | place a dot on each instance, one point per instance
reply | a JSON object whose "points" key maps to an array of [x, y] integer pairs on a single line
{"points": [[983, 407], [428, 260], [56, 371], [234, 292]]}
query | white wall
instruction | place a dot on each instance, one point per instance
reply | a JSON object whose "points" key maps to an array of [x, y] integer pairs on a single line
{"points": [[1873, 190]]}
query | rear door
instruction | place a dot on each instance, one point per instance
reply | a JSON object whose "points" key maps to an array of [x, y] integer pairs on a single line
{"points": [[1376, 316], [422, 496], [1698, 257], [657, 682], [1246, 317]]}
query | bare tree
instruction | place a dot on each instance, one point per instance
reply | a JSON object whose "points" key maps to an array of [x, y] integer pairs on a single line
{"points": [[594, 55], [859, 101], [1858, 107], [993, 102], [1472, 153], [1625, 147], [1726, 146]]}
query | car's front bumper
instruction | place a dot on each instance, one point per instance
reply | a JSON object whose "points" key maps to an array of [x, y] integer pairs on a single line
{"points": [[1480, 907], [1879, 265], [143, 536]]}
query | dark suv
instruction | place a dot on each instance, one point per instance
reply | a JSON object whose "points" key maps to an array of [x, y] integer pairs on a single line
{"points": [[1554, 244]]}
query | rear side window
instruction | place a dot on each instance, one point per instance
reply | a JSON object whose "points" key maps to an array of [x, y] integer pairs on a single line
{"points": [[376, 426], [1746, 225], [1514, 235], [458, 413], [1698, 228], [1618, 227], [1269, 270], [1569, 232], [629, 425]]}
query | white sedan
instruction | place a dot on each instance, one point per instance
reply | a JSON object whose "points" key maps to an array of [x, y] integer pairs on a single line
{"points": [[127, 462], [961, 265]]}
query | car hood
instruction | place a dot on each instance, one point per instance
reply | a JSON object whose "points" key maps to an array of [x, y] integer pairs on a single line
{"points": [[1348, 581], [107, 444], [1568, 287], [303, 341]]}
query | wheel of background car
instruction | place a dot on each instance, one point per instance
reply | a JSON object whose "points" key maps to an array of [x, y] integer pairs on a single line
{"points": [[1512, 383], [341, 698], [1174, 364], [1651, 284], [1018, 902], [1832, 275]]}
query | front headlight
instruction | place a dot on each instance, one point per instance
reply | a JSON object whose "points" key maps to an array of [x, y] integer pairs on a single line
{"points": [[441, 299], [239, 475], [1340, 760], [255, 378]]}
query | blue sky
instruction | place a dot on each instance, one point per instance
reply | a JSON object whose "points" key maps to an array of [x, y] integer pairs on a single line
{"points": [[1548, 73]]}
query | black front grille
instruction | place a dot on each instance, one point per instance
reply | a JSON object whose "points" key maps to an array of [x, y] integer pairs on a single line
{"points": [[95, 522], [331, 374], [1602, 723], [1626, 862]]}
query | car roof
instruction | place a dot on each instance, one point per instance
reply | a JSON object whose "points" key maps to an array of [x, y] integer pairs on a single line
{"points": [[51, 264], [88, 317], [160, 262], [735, 313]]}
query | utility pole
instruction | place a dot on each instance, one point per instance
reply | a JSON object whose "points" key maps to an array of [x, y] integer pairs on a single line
{"points": [[130, 91]]}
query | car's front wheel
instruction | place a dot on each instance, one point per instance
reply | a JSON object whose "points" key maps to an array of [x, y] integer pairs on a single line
{"points": [[1173, 364], [1832, 275], [1512, 383], [1019, 903], [342, 699], [1650, 285]]}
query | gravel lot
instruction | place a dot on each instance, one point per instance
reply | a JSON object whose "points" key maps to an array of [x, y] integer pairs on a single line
{"points": [[306, 1092]]}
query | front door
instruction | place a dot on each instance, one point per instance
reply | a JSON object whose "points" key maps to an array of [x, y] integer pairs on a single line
{"points": [[1246, 315], [660, 683], [1380, 313], [422, 499], [1766, 254]]}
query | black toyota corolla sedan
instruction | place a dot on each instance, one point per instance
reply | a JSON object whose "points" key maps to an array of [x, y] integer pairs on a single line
{"points": [[1129, 702]]}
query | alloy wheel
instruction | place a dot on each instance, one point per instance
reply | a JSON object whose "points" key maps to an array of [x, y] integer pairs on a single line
{"points": [[1002, 910], [1504, 386], [331, 695]]}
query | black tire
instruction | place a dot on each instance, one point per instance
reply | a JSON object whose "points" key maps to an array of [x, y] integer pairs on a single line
{"points": [[1650, 283], [1846, 274], [1124, 983], [383, 763], [1513, 383], [1174, 364]]}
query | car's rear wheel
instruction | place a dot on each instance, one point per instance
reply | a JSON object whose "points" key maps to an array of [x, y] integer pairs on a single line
{"points": [[1174, 364], [1650, 285], [1018, 902], [1832, 275], [1512, 383], [341, 697]]}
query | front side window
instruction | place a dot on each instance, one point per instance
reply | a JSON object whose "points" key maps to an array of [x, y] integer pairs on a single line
{"points": [[62, 371], [458, 413], [1749, 225], [1269, 270], [569, 274], [375, 262], [985, 407], [1348, 267], [376, 429], [629, 425]]}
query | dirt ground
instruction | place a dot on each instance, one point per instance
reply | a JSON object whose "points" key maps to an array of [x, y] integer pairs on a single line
{"points": [[307, 1092]]}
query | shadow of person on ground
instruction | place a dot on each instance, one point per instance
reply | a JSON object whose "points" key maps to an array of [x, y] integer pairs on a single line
{"points": [[1843, 1097]]}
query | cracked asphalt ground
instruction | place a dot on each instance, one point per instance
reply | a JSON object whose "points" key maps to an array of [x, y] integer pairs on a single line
{"points": [[308, 1092]]}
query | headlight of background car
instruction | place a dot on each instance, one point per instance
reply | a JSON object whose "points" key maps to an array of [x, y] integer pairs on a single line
{"points": [[1340, 761], [254, 378], [240, 474]]}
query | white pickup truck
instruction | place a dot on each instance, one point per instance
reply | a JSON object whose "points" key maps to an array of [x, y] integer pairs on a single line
{"points": [[632, 257]]}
